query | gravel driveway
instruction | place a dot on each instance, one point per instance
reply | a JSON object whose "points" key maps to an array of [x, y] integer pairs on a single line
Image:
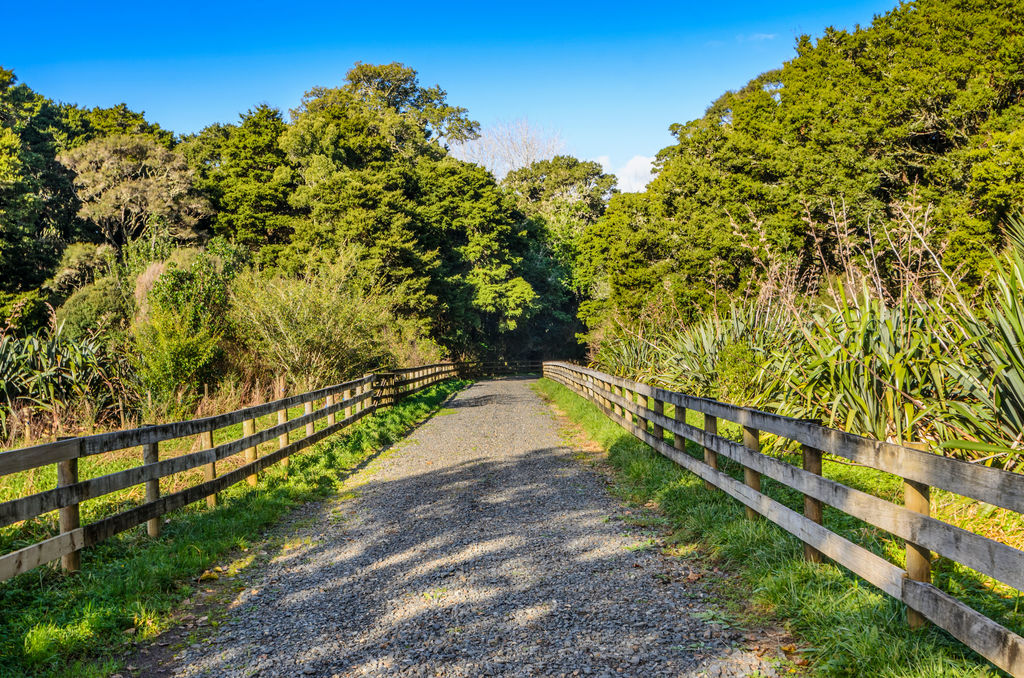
{"points": [[479, 547]]}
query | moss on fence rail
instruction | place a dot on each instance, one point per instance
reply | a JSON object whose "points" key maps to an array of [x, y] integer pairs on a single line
{"points": [[57, 625]]}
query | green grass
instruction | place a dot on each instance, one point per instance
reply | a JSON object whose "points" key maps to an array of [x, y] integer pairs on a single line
{"points": [[58, 625], [850, 628]]}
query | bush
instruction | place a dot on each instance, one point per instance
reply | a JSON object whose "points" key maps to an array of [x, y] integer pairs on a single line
{"points": [[81, 264], [92, 309], [322, 328], [175, 359], [738, 368], [24, 312]]}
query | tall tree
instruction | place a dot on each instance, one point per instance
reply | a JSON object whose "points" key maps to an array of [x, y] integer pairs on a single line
{"points": [[126, 182], [37, 199]]}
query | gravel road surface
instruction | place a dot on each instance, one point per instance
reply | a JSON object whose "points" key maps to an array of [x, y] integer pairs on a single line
{"points": [[478, 547]]}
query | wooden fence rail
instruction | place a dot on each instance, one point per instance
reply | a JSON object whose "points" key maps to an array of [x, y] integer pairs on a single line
{"points": [[351, 400], [639, 409]]}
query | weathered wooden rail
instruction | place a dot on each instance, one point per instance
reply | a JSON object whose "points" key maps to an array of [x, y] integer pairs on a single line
{"points": [[640, 409], [351, 401]]}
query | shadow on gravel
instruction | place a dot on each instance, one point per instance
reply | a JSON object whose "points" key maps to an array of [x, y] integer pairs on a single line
{"points": [[511, 566]]}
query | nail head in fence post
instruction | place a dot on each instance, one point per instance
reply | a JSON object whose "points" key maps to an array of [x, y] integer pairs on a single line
{"points": [[151, 455], [752, 479], [917, 498], [248, 429], [209, 470], [282, 418], [69, 517], [812, 506], [710, 456]]}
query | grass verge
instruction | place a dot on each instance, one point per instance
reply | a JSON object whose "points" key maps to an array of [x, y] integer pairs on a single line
{"points": [[851, 628], [58, 625]]}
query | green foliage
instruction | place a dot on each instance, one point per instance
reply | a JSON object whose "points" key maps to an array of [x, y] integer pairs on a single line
{"points": [[738, 370], [126, 182], [923, 102], [175, 358], [93, 309], [25, 312], [80, 264], [37, 198], [873, 369], [324, 327], [247, 177], [68, 381]]}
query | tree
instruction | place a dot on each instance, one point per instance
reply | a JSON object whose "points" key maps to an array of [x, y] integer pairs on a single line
{"points": [[820, 155], [507, 146], [246, 175], [37, 198], [82, 125], [395, 86], [125, 182]]}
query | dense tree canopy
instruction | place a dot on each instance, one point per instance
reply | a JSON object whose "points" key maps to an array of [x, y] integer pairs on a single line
{"points": [[923, 107]]}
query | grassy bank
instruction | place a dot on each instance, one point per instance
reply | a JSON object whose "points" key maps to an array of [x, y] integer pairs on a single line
{"points": [[58, 625], [849, 627]]}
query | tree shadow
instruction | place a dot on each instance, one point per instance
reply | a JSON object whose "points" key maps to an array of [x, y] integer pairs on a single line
{"points": [[514, 565]]}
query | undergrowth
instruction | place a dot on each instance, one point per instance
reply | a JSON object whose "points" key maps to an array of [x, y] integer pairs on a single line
{"points": [[850, 628], [59, 625]]}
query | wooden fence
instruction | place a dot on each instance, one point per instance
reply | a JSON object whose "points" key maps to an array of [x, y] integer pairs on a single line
{"points": [[341, 405], [640, 409]]}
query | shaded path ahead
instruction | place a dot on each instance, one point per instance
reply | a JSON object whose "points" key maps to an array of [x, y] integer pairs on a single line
{"points": [[478, 547]]}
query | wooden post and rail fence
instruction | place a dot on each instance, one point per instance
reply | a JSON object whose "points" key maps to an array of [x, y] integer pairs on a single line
{"points": [[640, 409], [352, 400]]}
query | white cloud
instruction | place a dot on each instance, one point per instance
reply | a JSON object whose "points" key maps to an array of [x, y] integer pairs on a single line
{"points": [[756, 37], [635, 174]]}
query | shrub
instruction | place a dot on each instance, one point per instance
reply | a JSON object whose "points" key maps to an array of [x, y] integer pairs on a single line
{"points": [[738, 368], [94, 308], [175, 359], [81, 264], [321, 328]]}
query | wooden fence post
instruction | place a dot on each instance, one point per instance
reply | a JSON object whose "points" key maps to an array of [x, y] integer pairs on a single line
{"points": [[307, 408], [917, 498], [710, 456], [679, 441], [659, 408], [282, 418], [209, 470], [328, 401], [752, 441], [248, 429], [69, 517], [151, 455], [618, 409], [812, 506]]}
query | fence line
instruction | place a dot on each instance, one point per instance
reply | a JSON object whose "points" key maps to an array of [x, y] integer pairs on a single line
{"points": [[353, 400], [639, 409]]}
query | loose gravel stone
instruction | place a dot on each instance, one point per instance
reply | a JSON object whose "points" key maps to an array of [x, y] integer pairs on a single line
{"points": [[477, 547]]}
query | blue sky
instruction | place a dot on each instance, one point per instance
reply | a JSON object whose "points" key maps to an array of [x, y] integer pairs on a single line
{"points": [[609, 77]]}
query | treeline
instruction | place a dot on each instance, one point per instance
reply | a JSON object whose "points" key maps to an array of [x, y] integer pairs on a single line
{"points": [[780, 180], [836, 239], [140, 270]]}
